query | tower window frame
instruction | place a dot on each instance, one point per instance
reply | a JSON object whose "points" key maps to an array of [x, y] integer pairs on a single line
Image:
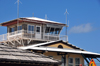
{"points": [[30, 28]]}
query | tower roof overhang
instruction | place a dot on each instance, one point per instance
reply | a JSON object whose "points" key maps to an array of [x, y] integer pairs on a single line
{"points": [[30, 20]]}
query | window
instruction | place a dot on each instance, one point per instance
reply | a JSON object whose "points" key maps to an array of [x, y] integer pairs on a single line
{"points": [[77, 61], [60, 46], [30, 28], [38, 29], [57, 30], [19, 27], [70, 62], [47, 30], [12, 29], [51, 31]]}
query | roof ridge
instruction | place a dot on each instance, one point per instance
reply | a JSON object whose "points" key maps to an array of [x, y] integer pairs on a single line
{"points": [[46, 43]]}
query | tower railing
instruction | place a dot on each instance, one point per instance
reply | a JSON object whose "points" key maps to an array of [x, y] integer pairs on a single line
{"points": [[31, 35], [3, 37]]}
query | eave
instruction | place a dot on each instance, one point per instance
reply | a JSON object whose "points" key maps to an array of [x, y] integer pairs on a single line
{"points": [[11, 22], [86, 53]]}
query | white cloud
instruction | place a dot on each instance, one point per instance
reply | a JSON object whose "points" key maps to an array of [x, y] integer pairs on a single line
{"points": [[83, 28]]}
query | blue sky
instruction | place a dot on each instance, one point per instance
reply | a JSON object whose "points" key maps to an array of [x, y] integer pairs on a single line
{"points": [[84, 18]]}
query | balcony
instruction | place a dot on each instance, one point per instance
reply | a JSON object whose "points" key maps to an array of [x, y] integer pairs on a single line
{"points": [[33, 35]]}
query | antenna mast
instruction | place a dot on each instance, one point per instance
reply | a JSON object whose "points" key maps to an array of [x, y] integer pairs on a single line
{"points": [[45, 16], [66, 25], [17, 8], [17, 12], [33, 14]]}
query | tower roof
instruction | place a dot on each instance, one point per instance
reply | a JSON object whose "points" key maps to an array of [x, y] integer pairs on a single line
{"points": [[30, 20]]}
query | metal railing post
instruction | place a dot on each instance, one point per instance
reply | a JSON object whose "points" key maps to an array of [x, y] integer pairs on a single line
{"points": [[8, 36], [31, 34], [3, 36], [21, 33]]}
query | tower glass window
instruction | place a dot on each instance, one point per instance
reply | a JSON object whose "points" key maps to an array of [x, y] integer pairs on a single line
{"points": [[19, 27], [52, 31], [12, 29], [30, 28]]}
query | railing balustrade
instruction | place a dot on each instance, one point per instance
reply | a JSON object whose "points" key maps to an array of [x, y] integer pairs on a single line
{"points": [[63, 37], [3, 37], [31, 34], [52, 37]]}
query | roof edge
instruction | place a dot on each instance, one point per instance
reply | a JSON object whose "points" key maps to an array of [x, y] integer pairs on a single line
{"points": [[37, 19], [47, 43]]}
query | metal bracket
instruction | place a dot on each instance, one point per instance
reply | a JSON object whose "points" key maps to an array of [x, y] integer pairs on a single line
{"points": [[85, 59]]}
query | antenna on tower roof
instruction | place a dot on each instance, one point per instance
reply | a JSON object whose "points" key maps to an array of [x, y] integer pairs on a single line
{"points": [[45, 16], [18, 11], [33, 14], [66, 25], [66, 15], [18, 7]]}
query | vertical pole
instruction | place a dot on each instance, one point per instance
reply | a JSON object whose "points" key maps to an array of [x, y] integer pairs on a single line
{"points": [[8, 33], [22, 33], [31, 34], [31, 31], [55, 35], [44, 32], [48, 34], [45, 16], [33, 14], [17, 13], [65, 60], [22, 42], [3, 36], [66, 24]]}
